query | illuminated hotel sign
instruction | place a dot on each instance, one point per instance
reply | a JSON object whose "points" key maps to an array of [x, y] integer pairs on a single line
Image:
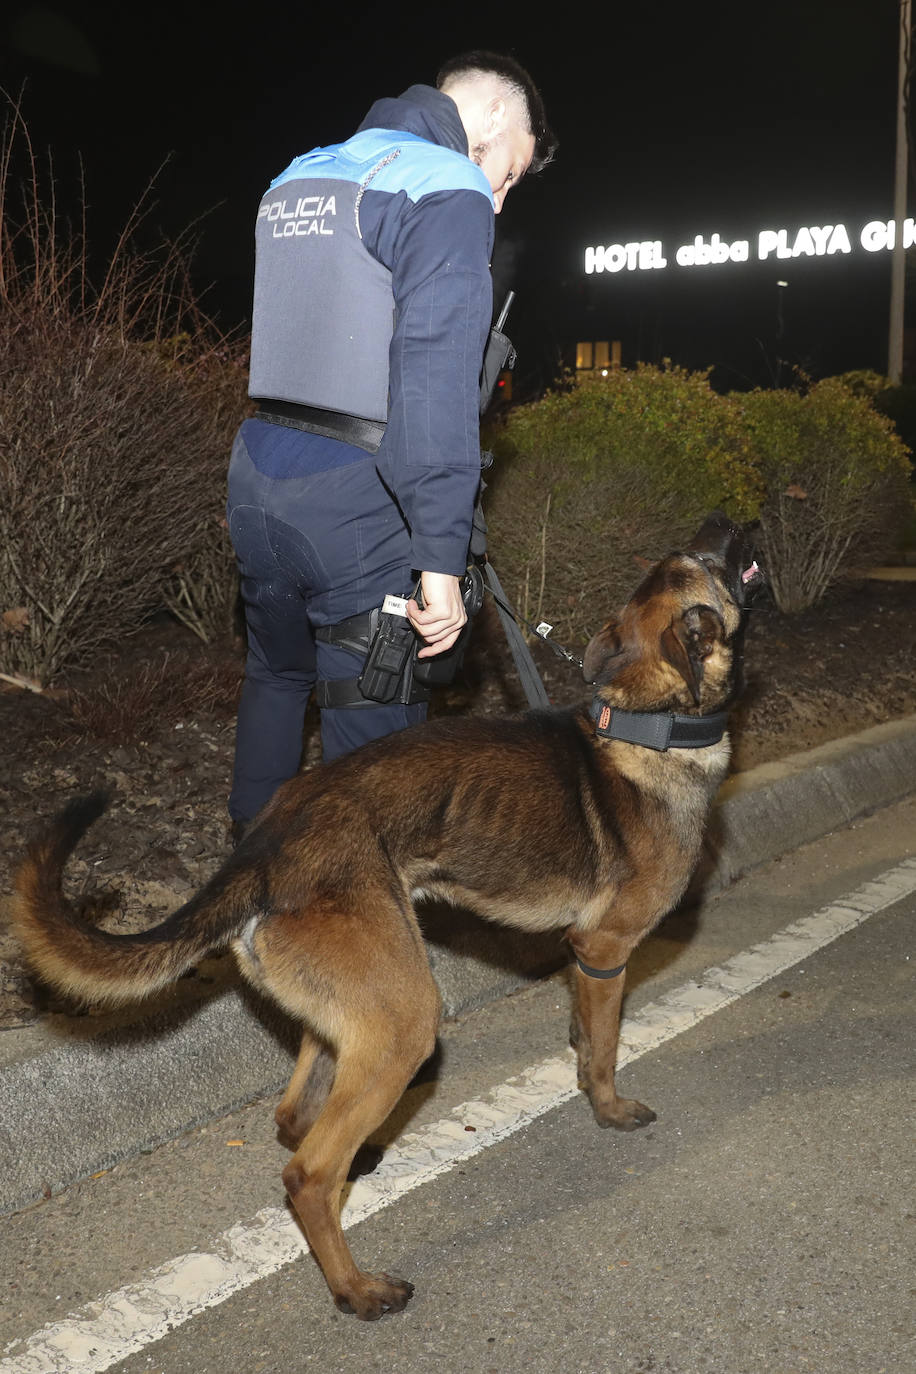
{"points": [[818, 241]]}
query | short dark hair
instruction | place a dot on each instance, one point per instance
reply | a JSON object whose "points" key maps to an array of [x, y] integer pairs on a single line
{"points": [[520, 83]]}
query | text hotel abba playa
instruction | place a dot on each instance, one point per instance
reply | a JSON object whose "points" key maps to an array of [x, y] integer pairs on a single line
{"points": [[815, 241]]}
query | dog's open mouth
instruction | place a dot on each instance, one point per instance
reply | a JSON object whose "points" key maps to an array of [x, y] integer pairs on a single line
{"points": [[752, 578], [747, 577]]}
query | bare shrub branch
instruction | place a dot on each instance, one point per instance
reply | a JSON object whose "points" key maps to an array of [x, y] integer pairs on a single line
{"points": [[117, 407], [160, 692]]}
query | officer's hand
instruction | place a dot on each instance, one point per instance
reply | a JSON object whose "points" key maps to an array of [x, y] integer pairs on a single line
{"points": [[443, 614]]}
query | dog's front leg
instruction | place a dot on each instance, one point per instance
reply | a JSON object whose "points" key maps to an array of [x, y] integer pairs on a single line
{"points": [[596, 1024]]}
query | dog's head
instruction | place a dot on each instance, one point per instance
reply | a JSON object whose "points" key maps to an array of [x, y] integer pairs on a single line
{"points": [[674, 645]]}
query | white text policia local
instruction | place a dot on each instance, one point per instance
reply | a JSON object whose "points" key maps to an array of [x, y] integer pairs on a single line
{"points": [[299, 217], [816, 241]]}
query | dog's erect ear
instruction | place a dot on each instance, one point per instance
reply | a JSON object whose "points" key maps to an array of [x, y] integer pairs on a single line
{"points": [[688, 642], [602, 648]]}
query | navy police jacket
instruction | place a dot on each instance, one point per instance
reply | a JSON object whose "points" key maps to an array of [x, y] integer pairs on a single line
{"points": [[373, 297]]}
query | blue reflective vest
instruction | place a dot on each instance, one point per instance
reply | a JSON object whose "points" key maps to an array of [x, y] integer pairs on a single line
{"points": [[373, 297]]}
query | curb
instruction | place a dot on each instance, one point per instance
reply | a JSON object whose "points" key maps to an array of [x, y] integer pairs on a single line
{"points": [[73, 1102]]}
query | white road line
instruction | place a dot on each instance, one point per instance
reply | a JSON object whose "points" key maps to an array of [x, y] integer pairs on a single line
{"points": [[104, 1332]]}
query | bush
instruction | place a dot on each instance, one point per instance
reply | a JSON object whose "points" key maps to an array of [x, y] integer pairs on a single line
{"points": [[609, 468], [117, 405], [896, 401], [202, 588], [836, 476]]}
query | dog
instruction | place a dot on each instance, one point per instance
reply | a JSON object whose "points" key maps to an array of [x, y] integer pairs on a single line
{"points": [[588, 821]]}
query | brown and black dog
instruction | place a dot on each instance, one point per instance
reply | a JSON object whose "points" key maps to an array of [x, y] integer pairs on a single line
{"points": [[588, 821]]}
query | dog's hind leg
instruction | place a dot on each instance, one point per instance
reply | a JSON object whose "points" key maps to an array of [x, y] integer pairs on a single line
{"points": [[376, 1059], [361, 978], [352, 966], [307, 1091]]}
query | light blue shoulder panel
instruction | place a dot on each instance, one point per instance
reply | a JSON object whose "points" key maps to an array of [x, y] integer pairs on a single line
{"points": [[400, 161]]}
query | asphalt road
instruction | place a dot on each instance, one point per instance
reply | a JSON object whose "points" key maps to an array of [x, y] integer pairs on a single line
{"points": [[761, 1224]]}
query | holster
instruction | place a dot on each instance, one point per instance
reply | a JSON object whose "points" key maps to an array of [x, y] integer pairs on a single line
{"points": [[391, 671]]}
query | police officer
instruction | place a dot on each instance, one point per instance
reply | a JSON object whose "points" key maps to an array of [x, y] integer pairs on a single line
{"points": [[357, 477]]}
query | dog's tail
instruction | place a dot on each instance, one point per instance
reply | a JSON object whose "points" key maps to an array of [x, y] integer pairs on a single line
{"points": [[94, 965]]}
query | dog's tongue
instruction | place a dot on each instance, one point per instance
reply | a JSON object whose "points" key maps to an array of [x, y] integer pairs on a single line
{"points": [[751, 574]]}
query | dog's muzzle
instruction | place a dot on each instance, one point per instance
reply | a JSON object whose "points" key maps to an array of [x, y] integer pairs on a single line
{"points": [[720, 540]]}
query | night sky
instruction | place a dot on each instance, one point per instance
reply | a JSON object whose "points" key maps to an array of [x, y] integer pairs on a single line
{"points": [[673, 120]]}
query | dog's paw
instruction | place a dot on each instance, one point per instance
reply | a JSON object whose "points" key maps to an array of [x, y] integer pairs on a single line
{"points": [[374, 1295], [624, 1114]]}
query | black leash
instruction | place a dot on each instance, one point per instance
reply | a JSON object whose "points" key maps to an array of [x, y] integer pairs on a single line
{"points": [[525, 666]]}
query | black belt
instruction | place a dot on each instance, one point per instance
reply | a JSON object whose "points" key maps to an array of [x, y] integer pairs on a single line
{"points": [[354, 633], [344, 692], [333, 424]]}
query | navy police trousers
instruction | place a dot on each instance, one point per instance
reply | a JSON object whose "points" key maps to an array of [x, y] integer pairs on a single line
{"points": [[318, 538]]}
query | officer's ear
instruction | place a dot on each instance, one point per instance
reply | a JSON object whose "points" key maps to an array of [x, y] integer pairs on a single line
{"points": [[496, 116]]}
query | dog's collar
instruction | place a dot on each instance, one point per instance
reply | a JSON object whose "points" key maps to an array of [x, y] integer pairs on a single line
{"points": [[658, 729]]}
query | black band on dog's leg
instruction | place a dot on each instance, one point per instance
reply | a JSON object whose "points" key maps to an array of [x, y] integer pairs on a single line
{"points": [[600, 972]]}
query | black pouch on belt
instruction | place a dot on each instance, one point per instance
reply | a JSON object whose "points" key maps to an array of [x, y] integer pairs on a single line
{"points": [[392, 642]]}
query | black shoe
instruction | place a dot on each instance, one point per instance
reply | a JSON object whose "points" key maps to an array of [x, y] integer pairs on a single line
{"points": [[237, 832]]}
